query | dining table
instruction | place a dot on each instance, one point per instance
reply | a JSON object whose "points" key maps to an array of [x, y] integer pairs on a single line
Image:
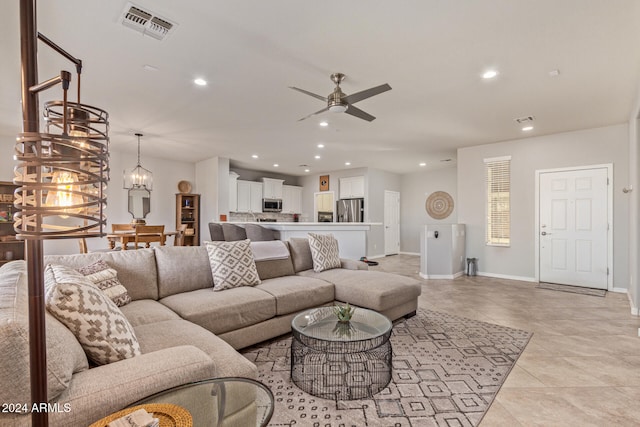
{"points": [[129, 236]]}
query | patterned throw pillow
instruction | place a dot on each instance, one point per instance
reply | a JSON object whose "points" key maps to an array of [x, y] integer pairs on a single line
{"points": [[232, 264], [324, 252], [103, 331], [106, 278]]}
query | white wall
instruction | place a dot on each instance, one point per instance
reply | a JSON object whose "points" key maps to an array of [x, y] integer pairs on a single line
{"points": [[585, 147], [212, 183], [416, 187], [166, 175]]}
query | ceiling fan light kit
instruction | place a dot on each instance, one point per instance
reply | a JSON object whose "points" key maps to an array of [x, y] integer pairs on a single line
{"points": [[339, 102]]}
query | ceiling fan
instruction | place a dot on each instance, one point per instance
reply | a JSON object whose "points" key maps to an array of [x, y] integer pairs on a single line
{"points": [[339, 102]]}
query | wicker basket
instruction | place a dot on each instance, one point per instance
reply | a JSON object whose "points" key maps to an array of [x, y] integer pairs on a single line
{"points": [[168, 414]]}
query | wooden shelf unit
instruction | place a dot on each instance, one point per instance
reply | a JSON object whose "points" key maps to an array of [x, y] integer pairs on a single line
{"points": [[9, 246], [188, 212]]}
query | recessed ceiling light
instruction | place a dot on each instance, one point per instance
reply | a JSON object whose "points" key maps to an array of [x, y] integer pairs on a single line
{"points": [[320, 145], [316, 157], [255, 156], [489, 74], [347, 163], [324, 124], [422, 164], [200, 82], [275, 165], [554, 73], [307, 170], [527, 128]]}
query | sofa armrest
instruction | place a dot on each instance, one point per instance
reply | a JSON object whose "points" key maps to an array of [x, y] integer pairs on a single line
{"points": [[100, 391], [352, 264]]}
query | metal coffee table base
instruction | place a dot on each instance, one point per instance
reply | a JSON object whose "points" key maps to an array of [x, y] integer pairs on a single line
{"points": [[341, 372]]}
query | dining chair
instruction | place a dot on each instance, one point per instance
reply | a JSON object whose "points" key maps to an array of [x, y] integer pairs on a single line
{"points": [[179, 239], [148, 234], [115, 228]]}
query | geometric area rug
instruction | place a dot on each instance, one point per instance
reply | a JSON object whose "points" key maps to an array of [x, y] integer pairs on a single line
{"points": [[446, 372]]}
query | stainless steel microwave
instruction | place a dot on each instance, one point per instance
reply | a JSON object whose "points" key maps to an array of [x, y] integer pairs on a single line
{"points": [[271, 205]]}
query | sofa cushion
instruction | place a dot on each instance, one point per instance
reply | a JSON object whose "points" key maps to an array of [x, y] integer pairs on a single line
{"points": [[147, 311], [295, 293], [369, 289], [172, 333], [136, 269], [106, 279], [225, 311], [232, 264], [102, 330], [182, 269], [300, 254], [65, 356], [324, 251]]}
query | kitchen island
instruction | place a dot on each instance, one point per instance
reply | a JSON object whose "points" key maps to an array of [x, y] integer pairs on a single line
{"points": [[351, 236]]}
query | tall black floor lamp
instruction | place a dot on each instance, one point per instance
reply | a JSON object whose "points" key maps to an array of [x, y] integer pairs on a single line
{"points": [[62, 175]]}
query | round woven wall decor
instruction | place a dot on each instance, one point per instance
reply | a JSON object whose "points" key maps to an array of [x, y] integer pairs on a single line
{"points": [[439, 205]]}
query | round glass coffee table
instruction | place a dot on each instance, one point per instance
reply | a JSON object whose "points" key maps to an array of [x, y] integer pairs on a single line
{"points": [[220, 402], [341, 361]]}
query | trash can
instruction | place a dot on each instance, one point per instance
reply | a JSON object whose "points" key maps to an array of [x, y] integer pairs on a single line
{"points": [[472, 266]]}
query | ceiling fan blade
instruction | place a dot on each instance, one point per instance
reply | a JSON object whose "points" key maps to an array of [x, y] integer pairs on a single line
{"points": [[368, 93], [317, 112], [322, 98], [356, 112]]}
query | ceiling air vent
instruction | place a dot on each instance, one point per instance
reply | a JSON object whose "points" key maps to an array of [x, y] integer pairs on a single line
{"points": [[146, 22], [525, 119]]}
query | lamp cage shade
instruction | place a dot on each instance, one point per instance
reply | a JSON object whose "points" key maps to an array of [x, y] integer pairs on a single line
{"points": [[63, 174]]}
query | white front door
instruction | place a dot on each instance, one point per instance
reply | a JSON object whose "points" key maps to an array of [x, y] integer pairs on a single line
{"points": [[574, 224], [391, 222]]}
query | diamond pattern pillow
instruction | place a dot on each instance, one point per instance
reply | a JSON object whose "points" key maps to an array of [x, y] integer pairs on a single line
{"points": [[103, 331], [232, 264], [324, 252], [106, 278]]}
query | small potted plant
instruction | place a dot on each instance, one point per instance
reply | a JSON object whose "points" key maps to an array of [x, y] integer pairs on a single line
{"points": [[343, 312]]}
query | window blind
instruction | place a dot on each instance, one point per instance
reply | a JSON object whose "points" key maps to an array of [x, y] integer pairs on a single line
{"points": [[498, 185]]}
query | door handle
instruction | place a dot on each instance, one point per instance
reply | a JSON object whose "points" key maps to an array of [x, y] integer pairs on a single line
{"points": [[544, 233]]}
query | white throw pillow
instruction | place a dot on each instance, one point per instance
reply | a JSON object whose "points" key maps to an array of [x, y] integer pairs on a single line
{"points": [[103, 331], [106, 279], [232, 264], [324, 252]]}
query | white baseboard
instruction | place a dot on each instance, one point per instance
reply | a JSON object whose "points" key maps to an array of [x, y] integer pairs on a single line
{"points": [[634, 309], [507, 276], [409, 253], [376, 256], [442, 276], [619, 290]]}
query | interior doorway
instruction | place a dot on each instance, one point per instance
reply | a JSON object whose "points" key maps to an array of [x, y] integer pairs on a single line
{"points": [[391, 222], [574, 226]]}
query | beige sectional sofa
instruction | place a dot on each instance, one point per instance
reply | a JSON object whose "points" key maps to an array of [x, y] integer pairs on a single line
{"points": [[186, 331]]}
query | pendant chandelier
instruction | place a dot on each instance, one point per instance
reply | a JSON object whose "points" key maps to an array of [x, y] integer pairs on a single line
{"points": [[138, 177]]}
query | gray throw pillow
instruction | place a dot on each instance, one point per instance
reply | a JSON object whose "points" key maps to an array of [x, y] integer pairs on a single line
{"points": [[232, 264], [103, 331], [324, 252]]}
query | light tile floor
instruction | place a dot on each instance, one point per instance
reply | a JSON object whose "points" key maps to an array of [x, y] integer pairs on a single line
{"points": [[582, 365]]}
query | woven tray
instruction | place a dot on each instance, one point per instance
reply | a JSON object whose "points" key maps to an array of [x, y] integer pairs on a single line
{"points": [[168, 414]]}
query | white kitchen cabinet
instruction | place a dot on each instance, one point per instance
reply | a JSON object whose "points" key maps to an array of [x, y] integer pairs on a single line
{"points": [[272, 188], [352, 187], [324, 202], [233, 192], [291, 199], [249, 196]]}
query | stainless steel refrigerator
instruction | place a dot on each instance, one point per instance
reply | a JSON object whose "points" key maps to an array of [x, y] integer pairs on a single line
{"points": [[351, 210]]}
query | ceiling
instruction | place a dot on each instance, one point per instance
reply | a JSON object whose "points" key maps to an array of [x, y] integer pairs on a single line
{"points": [[432, 53]]}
